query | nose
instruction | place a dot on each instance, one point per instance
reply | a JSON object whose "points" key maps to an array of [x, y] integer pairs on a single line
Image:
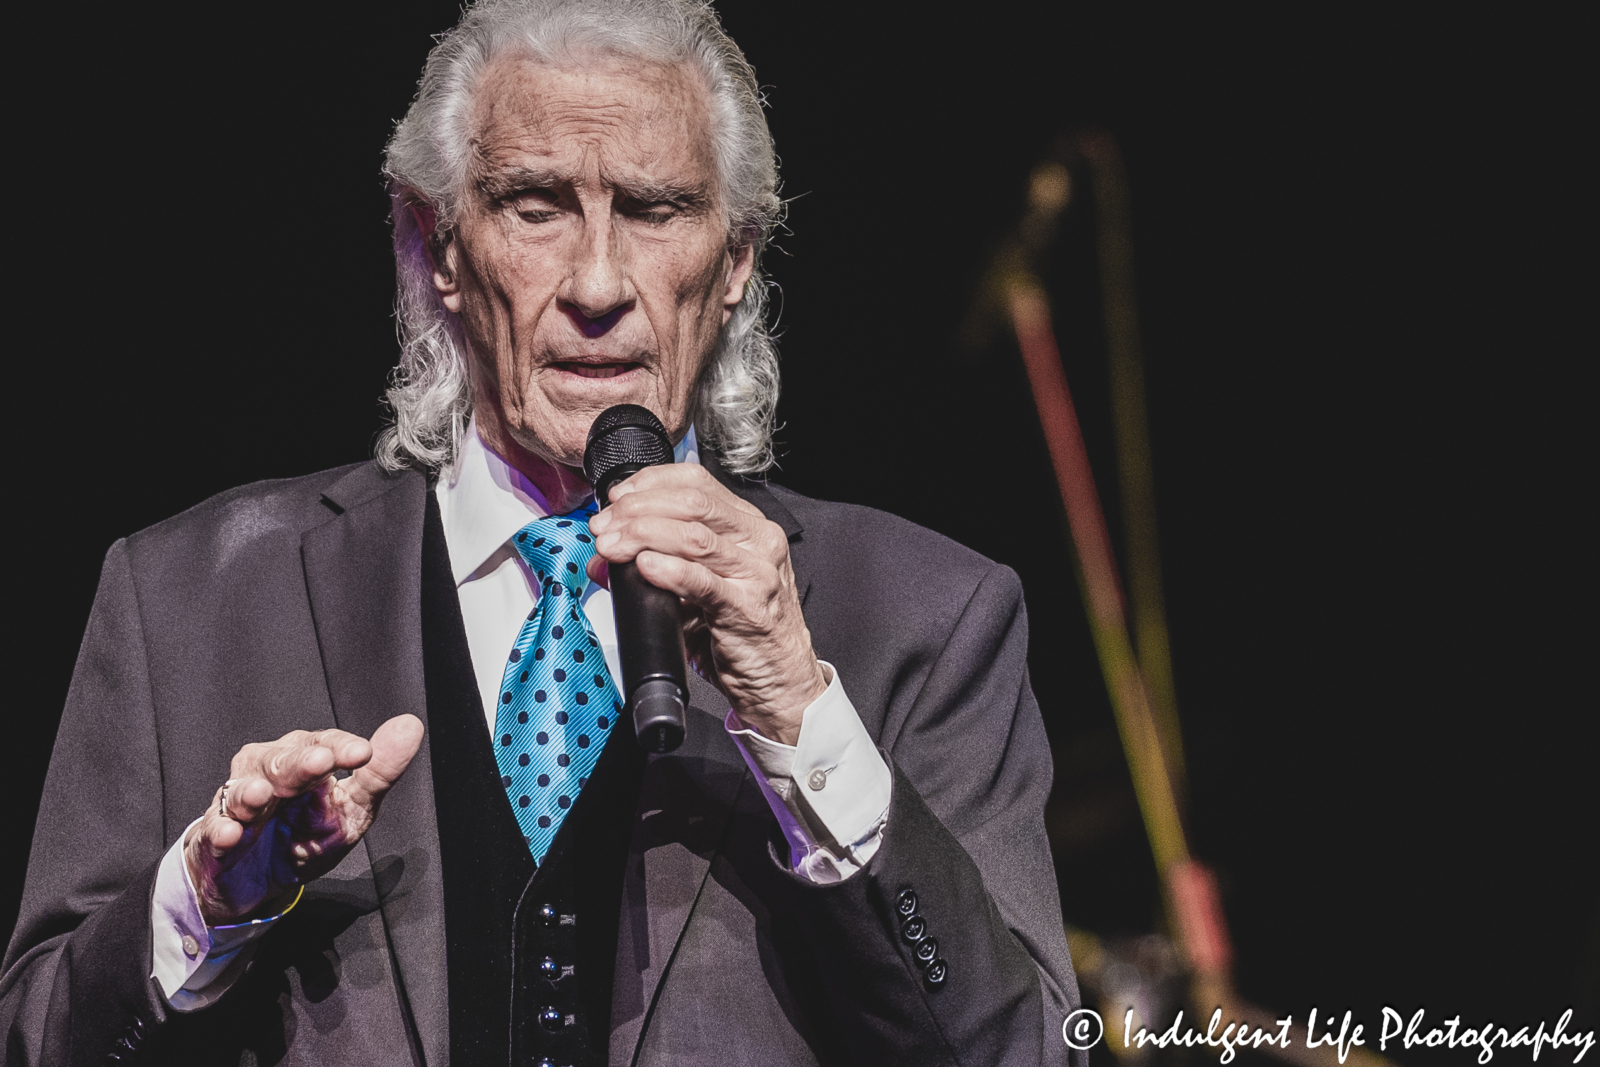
{"points": [[598, 292]]}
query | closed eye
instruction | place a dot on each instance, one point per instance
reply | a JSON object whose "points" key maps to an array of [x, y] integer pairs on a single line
{"points": [[660, 205], [536, 205], [656, 213]]}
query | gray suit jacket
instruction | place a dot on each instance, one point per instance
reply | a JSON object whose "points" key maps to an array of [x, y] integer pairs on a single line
{"points": [[295, 605]]}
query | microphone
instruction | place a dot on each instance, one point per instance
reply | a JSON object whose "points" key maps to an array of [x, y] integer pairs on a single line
{"points": [[624, 439]]}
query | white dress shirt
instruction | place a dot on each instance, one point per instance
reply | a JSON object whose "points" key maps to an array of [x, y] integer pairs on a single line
{"points": [[829, 792]]}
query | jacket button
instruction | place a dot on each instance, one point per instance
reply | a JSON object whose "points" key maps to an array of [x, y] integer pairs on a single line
{"points": [[817, 780], [906, 904], [927, 950], [552, 1020], [935, 974], [547, 914], [914, 929]]}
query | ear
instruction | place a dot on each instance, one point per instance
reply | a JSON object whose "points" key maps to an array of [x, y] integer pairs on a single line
{"points": [[441, 252], [741, 261]]}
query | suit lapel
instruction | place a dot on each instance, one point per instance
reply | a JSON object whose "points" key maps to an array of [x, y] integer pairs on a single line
{"points": [[364, 578]]}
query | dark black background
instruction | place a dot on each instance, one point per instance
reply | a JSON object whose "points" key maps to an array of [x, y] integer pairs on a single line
{"points": [[1366, 317]]}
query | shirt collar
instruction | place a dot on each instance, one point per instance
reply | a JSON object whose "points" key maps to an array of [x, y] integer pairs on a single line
{"points": [[483, 501]]}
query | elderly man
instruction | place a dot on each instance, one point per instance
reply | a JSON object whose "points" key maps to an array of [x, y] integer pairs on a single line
{"points": [[845, 862]]}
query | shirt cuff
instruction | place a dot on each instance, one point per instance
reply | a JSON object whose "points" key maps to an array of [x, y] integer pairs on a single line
{"points": [[195, 964], [830, 792]]}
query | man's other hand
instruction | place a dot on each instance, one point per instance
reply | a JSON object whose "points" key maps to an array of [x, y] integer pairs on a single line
{"points": [[744, 628], [289, 820]]}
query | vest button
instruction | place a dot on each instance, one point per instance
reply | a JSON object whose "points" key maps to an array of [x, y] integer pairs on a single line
{"points": [[552, 1020], [547, 914], [549, 968]]}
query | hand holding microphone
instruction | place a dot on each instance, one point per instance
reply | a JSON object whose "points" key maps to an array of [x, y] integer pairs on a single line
{"points": [[678, 531], [624, 440]]}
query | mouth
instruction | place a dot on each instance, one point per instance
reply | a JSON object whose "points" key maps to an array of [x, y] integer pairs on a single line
{"points": [[598, 368]]}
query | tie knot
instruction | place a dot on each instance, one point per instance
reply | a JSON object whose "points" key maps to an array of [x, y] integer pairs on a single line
{"points": [[558, 548]]}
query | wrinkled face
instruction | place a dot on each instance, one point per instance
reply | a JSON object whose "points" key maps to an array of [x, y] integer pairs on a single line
{"points": [[590, 263]]}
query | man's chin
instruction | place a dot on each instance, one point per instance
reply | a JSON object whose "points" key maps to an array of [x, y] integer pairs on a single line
{"points": [[564, 425], [559, 436]]}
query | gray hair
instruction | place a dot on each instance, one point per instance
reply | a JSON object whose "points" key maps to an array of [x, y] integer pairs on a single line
{"points": [[428, 161]]}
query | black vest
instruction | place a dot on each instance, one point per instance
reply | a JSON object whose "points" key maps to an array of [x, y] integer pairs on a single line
{"points": [[530, 952]]}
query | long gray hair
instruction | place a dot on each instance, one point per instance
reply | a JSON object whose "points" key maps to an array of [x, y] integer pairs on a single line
{"points": [[428, 162]]}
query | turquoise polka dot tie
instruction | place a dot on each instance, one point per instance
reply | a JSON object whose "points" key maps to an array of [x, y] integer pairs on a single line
{"points": [[557, 701]]}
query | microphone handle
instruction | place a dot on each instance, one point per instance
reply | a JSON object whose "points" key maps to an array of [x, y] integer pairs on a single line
{"points": [[650, 643]]}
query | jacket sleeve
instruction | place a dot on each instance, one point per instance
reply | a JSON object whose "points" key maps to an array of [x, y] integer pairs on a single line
{"points": [[964, 863], [76, 987]]}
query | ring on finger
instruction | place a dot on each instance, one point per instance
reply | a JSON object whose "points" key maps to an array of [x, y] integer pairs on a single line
{"points": [[225, 786]]}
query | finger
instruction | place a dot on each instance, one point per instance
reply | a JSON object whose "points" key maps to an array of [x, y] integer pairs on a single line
{"points": [[697, 584], [393, 747], [719, 511], [599, 571], [688, 505], [294, 767], [349, 750], [217, 833], [687, 540], [221, 835], [248, 799], [677, 478]]}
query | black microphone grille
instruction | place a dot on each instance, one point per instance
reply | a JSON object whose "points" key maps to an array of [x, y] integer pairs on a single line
{"points": [[624, 435]]}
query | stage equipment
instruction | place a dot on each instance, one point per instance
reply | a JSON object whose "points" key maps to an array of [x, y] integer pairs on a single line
{"points": [[624, 440], [1138, 679]]}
